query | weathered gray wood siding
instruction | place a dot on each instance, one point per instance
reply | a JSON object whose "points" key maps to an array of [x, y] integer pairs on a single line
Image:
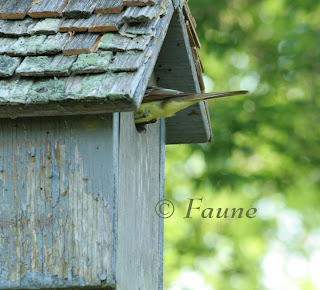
{"points": [[77, 199], [58, 188], [141, 186]]}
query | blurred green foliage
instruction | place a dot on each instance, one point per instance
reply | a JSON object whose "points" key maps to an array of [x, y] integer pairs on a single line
{"points": [[265, 152]]}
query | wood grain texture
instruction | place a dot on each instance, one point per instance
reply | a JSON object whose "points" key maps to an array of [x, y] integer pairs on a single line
{"points": [[139, 43], [66, 25], [82, 25], [82, 43], [2, 2], [177, 70], [58, 202], [16, 28], [105, 23], [78, 25], [46, 26], [140, 236], [139, 2], [134, 29], [109, 6], [116, 42], [122, 86], [137, 14], [145, 14], [161, 197], [15, 9], [128, 61], [47, 8], [79, 9]]}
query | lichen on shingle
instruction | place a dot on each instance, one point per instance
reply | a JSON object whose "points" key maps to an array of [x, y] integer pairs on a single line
{"points": [[53, 44], [14, 91], [87, 60], [45, 90], [118, 86], [58, 65], [34, 63], [105, 41], [8, 65], [27, 45], [46, 26], [92, 63], [101, 87], [5, 43], [86, 87]]}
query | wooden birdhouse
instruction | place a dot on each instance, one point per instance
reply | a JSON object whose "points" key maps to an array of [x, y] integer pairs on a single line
{"points": [[78, 182]]}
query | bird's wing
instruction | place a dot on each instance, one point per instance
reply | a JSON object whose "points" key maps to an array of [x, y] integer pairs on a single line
{"points": [[154, 94]]}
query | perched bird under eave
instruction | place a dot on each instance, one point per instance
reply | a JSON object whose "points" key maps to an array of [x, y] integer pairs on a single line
{"points": [[164, 103]]}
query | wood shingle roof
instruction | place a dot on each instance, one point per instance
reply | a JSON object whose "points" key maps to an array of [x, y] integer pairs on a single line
{"points": [[70, 52]]}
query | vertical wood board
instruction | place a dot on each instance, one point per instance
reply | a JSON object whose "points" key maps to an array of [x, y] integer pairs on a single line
{"points": [[58, 202], [140, 232]]}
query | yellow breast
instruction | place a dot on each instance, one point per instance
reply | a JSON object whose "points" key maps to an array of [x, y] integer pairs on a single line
{"points": [[154, 110]]}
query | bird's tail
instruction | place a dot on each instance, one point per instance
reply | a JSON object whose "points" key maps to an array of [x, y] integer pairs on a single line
{"points": [[208, 96]]}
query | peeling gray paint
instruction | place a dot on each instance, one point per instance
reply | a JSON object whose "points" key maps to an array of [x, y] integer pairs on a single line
{"points": [[57, 209]]}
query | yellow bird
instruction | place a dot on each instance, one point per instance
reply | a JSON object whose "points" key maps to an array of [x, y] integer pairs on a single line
{"points": [[164, 103]]}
